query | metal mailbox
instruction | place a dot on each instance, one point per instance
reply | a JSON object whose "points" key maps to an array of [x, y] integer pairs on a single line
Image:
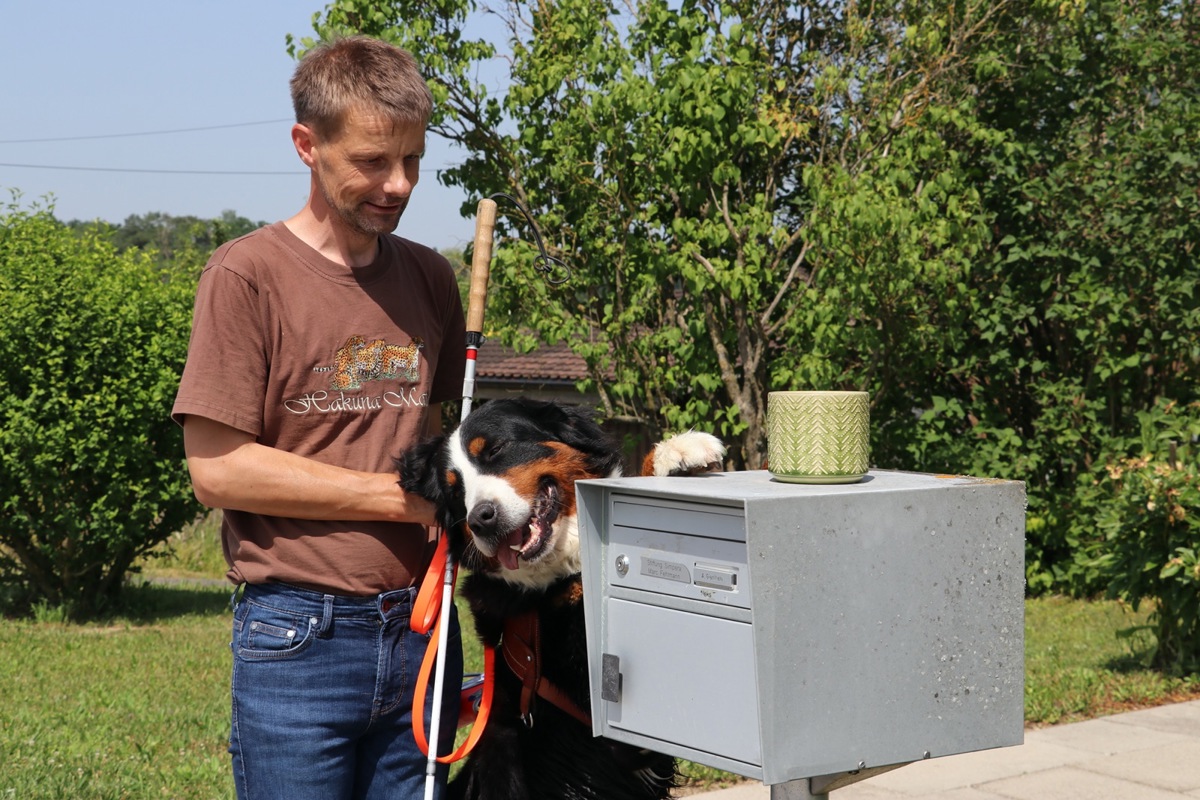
{"points": [[792, 632]]}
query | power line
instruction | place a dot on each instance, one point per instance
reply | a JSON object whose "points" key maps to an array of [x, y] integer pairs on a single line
{"points": [[150, 133], [155, 171], [292, 173], [143, 133]]}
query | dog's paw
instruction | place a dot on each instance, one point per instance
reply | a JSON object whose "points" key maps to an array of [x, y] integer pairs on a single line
{"points": [[691, 453]]}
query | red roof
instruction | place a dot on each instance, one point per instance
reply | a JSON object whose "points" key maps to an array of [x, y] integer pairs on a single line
{"points": [[553, 363]]}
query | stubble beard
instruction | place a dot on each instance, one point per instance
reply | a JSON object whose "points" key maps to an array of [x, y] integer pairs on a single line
{"points": [[355, 218]]}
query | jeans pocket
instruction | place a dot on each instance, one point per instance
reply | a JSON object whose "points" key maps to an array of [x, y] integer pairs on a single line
{"points": [[263, 633]]}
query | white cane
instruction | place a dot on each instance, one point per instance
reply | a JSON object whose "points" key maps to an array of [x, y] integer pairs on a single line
{"points": [[485, 223]]}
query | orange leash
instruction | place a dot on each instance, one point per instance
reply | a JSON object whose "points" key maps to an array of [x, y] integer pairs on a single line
{"points": [[428, 604], [426, 616]]}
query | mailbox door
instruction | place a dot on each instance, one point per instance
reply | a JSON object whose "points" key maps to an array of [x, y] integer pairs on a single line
{"points": [[685, 678]]}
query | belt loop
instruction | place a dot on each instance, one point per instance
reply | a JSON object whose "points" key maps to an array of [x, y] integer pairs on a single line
{"points": [[396, 597], [326, 617], [233, 597]]}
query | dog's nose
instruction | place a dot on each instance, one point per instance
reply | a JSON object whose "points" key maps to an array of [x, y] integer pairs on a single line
{"points": [[482, 519]]}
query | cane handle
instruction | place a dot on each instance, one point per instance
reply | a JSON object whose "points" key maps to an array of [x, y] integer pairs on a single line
{"points": [[481, 260]]}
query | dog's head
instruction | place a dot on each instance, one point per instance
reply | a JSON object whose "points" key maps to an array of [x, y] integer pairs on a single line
{"points": [[504, 485]]}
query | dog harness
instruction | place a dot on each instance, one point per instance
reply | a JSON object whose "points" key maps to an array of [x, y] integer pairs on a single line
{"points": [[520, 644], [522, 649]]}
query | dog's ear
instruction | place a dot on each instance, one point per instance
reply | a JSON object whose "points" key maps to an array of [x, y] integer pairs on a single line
{"points": [[422, 468], [419, 472], [577, 427]]}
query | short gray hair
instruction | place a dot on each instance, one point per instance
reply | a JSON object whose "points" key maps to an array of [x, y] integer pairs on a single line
{"points": [[359, 72]]}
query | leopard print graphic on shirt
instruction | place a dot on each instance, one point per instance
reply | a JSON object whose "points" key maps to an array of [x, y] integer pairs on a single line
{"points": [[359, 361]]}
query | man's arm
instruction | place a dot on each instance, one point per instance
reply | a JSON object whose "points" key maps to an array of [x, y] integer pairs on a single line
{"points": [[231, 470]]}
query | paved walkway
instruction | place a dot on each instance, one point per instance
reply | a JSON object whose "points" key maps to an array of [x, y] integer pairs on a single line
{"points": [[1141, 755]]}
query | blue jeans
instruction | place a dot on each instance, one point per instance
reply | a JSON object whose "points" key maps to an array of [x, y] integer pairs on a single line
{"points": [[323, 694]]}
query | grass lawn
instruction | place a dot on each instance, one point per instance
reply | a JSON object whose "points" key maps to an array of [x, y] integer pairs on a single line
{"points": [[137, 706], [1087, 659], [134, 707]]}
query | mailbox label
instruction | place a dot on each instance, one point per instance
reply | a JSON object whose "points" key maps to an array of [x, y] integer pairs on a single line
{"points": [[716, 577], [668, 570]]}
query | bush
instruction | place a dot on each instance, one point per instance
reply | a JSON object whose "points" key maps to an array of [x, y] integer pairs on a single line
{"points": [[1085, 307], [92, 474], [1147, 534]]}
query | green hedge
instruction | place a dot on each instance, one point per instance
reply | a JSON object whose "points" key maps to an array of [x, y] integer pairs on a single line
{"points": [[92, 473]]}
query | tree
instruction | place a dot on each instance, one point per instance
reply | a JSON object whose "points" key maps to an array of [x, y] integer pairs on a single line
{"points": [[170, 237], [92, 475], [696, 164], [1086, 304], [983, 213]]}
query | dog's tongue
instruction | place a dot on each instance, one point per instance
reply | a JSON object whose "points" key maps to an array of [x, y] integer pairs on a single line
{"points": [[509, 557]]}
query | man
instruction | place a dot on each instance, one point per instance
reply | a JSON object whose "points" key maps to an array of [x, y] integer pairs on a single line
{"points": [[321, 348]]}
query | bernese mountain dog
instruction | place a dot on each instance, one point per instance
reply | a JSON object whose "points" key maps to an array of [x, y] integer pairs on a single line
{"points": [[503, 484]]}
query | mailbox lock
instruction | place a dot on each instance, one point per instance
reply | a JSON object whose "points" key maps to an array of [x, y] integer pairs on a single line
{"points": [[622, 565]]}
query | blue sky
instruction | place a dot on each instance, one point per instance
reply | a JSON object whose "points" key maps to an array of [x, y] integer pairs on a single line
{"points": [[139, 66]]}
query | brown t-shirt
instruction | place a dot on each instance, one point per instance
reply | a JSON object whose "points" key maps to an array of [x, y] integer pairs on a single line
{"points": [[333, 363]]}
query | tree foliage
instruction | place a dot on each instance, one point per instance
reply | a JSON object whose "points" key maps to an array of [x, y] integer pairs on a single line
{"points": [[694, 163], [1087, 312], [171, 238], [983, 212], [92, 475]]}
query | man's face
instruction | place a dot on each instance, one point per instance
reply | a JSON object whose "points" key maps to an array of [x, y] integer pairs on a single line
{"points": [[367, 170]]}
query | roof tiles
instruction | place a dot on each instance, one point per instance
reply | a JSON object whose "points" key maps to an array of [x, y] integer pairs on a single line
{"points": [[548, 363]]}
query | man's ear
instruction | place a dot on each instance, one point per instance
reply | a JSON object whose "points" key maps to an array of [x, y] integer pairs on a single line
{"points": [[419, 470], [305, 142]]}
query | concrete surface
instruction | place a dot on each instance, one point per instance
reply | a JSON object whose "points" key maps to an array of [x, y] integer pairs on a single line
{"points": [[1153, 754]]}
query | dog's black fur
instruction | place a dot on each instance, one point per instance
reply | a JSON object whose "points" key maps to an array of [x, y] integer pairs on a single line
{"points": [[503, 484]]}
